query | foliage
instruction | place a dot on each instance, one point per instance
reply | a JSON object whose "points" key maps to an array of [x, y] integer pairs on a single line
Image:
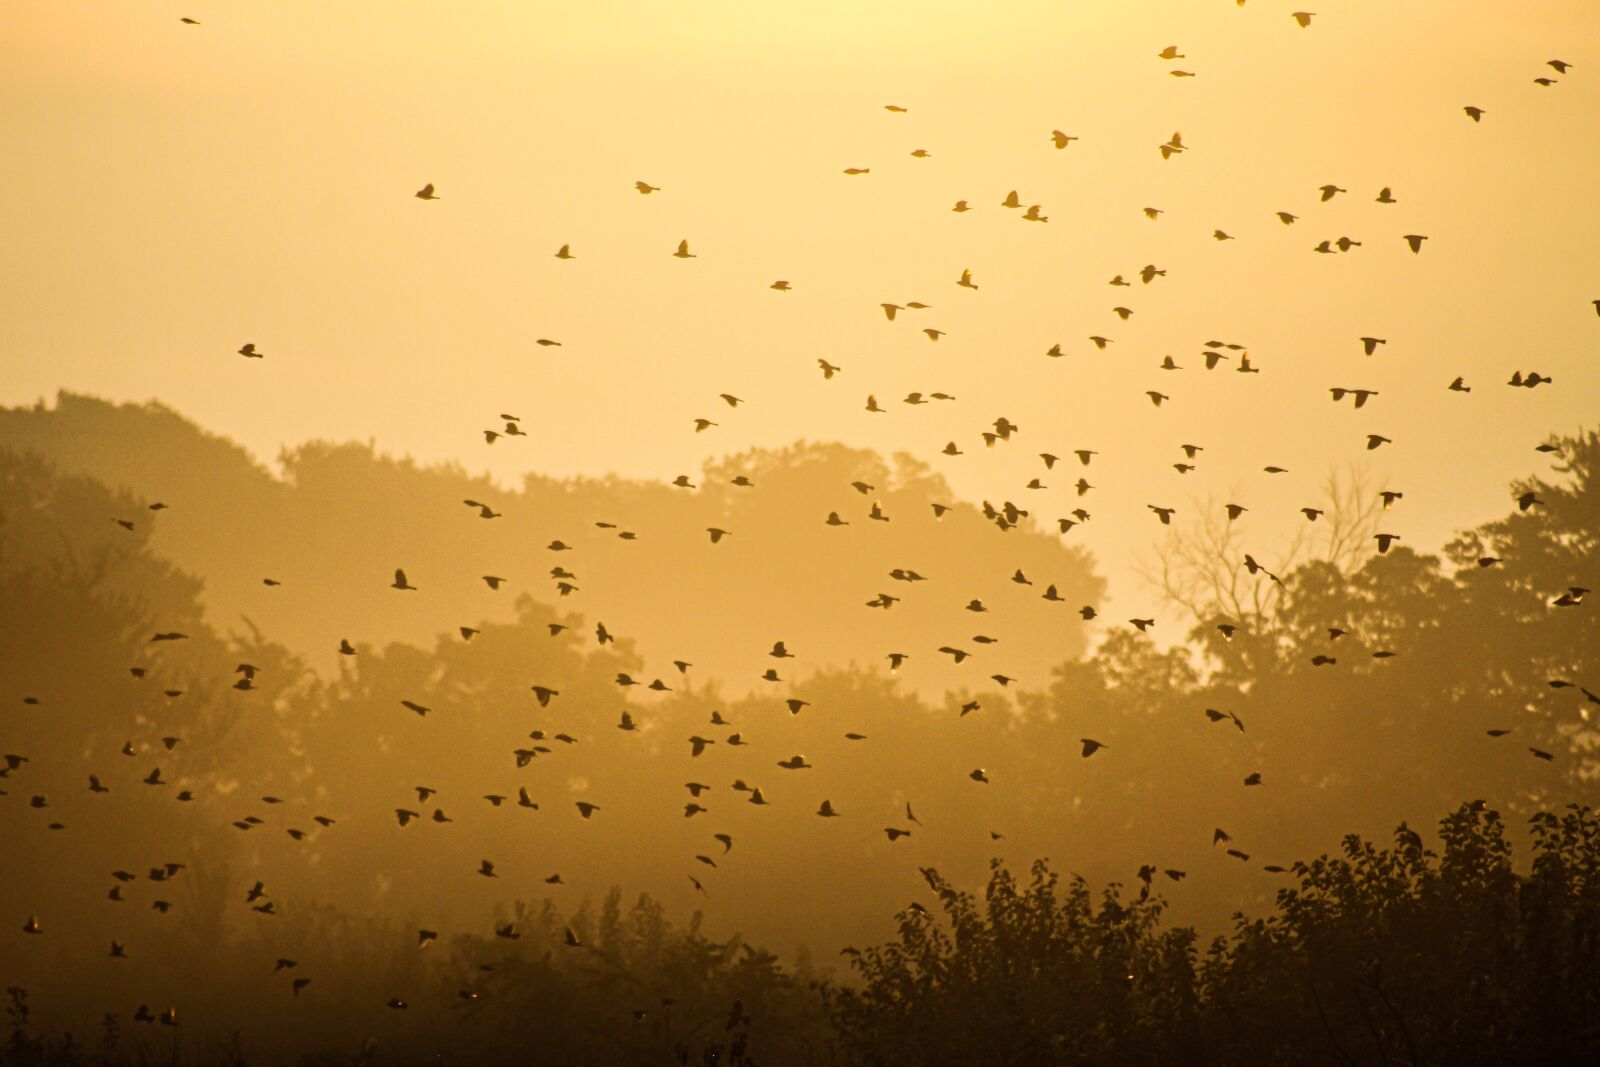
{"points": [[1397, 955]]}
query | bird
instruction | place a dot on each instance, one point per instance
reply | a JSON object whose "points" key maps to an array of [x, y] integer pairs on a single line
{"points": [[683, 251], [1386, 196], [248, 351], [965, 281], [1474, 113], [1061, 140], [1361, 396], [1090, 746], [1415, 241], [565, 252], [1218, 716], [400, 581], [1303, 18], [645, 188], [426, 193]]}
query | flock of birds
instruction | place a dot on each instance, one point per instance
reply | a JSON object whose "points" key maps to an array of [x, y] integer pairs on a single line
{"points": [[1008, 515]]}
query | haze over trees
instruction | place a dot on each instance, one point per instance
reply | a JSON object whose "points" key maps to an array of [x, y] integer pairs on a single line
{"points": [[1340, 747], [342, 515]]}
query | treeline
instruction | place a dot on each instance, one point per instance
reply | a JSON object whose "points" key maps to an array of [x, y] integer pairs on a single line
{"points": [[339, 517], [1222, 758], [1371, 955]]}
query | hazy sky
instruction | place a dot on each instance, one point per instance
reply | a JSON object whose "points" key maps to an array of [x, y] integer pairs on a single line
{"points": [[175, 191]]}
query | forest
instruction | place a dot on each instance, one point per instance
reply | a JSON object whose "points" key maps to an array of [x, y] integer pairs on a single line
{"points": [[1346, 818]]}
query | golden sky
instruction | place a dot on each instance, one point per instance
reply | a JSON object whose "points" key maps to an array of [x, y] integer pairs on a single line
{"points": [[176, 191]]}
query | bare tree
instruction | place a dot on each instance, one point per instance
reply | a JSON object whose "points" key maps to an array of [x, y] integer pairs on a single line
{"points": [[1205, 568]]}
